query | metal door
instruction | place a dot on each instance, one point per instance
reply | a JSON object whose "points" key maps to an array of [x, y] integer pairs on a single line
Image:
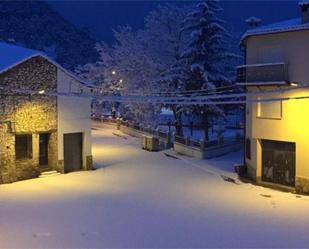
{"points": [[278, 162], [73, 151]]}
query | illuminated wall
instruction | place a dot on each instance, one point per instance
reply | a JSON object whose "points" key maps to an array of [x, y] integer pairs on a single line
{"points": [[72, 119], [292, 125], [21, 114], [36, 114]]}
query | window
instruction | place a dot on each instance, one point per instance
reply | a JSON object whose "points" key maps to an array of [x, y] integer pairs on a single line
{"points": [[269, 110], [23, 146], [248, 148]]}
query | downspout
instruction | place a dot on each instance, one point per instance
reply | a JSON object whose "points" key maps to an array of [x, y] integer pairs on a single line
{"points": [[245, 110]]}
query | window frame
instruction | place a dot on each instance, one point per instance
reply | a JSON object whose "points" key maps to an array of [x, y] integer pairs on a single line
{"points": [[23, 147], [259, 114]]}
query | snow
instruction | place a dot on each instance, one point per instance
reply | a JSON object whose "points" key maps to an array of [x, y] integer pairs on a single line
{"points": [[283, 26], [12, 55], [144, 199], [253, 19], [303, 2]]}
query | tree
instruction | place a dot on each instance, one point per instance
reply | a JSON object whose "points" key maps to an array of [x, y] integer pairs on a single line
{"points": [[166, 40], [101, 74], [138, 71], [204, 57], [145, 55]]}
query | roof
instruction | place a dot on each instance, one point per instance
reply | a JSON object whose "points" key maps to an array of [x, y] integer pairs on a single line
{"points": [[12, 55], [304, 2], [278, 27], [253, 19]]}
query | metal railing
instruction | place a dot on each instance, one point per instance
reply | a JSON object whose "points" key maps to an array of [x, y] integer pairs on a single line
{"points": [[202, 145], [262, 73], [166, 136]]}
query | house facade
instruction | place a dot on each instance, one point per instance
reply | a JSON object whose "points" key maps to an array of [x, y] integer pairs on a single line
{"points": [[40, 130], [276, 76]]}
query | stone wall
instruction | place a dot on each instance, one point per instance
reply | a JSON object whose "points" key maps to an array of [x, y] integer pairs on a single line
{"points": [[7, 155], [26, 114]]}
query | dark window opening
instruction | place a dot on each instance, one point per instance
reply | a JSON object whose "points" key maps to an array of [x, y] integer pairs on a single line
{"points": [[248, 148], [23, 146]]}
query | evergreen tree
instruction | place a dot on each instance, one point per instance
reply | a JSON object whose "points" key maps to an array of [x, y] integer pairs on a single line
{"points": [[203, 61]]}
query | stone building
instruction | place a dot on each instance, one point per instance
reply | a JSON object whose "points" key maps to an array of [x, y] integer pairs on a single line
{"points": [[40, 130], [277, 114]]}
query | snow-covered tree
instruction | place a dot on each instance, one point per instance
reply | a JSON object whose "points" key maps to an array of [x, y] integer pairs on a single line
{"points": [[163, 34], [102, 74], [144, 56], [138, 71], [205, 56], [179, 49], [166, 40]]}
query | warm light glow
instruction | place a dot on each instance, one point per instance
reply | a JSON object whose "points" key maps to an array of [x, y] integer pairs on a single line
{"points": [[113, 72], [293, 84], [41, 92], [121, 80]]}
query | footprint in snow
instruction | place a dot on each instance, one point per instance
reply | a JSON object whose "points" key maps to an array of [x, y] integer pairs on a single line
{"points": [[44, 234], [89, 233], [121, 136], [229, 179], [171, 156], [273, 203]]}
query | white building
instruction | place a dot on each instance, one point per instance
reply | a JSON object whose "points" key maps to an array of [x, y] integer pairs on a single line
{"points": [[40, 130], [277, 132]]}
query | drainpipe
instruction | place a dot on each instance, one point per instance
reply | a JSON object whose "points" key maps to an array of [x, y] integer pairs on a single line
{"points": [[245, 111]]}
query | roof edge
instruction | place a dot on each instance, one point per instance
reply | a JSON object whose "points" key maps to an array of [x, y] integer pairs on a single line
{"points": [[84, 82], [274, 31]]}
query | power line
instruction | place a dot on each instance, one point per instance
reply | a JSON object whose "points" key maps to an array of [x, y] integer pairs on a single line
{"points": [[187, 100], [174, 92]]}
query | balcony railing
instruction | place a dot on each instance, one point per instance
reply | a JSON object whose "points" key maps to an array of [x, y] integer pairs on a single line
{"points": [[263, 74]]}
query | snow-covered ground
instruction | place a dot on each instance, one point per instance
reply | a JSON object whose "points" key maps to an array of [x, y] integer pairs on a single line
{"points": [[147, 199]]}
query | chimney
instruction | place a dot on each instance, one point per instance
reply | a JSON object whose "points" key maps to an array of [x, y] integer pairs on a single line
{"points": [[253, 22], [304, 8]]}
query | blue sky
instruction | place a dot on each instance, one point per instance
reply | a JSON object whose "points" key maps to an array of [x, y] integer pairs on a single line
{"points": [[102, 16]]}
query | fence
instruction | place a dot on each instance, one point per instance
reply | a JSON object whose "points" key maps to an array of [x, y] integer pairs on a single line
{"points": [[138, 130], [186, 146], [206, 149]]}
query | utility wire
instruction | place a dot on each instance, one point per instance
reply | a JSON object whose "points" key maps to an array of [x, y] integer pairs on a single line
{"points": [[187, 100]]}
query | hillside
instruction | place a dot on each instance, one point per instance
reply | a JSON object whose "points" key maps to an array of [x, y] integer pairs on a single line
{"points": [[34, 24]]}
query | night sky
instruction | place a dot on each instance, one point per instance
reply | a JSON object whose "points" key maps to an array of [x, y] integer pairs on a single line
{"points": [[100, 17]]}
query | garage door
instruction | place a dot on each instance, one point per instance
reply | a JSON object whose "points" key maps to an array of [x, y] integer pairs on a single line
{"points": [[73, 143], [278, 162]]}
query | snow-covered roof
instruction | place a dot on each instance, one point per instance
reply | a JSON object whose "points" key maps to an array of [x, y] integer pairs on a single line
{"points": [[12, 55], [304, 2], [253, 19], [284, 26]]}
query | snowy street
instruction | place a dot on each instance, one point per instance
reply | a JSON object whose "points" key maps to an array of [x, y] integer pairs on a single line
{"points": [[144, 199]]}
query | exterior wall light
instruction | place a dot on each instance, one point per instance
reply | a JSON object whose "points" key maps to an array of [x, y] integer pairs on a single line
{"points": [[113, 72], [294, 84], [41, 92]]}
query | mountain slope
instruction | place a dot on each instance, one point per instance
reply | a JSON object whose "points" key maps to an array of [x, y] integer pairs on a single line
{"points": [[34, 24]]}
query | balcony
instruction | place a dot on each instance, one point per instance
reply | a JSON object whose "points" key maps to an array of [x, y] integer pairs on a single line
{"points": [[262, 74]]}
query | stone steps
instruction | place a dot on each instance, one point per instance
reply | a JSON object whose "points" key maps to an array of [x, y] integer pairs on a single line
{"points": [[49, 174]]}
